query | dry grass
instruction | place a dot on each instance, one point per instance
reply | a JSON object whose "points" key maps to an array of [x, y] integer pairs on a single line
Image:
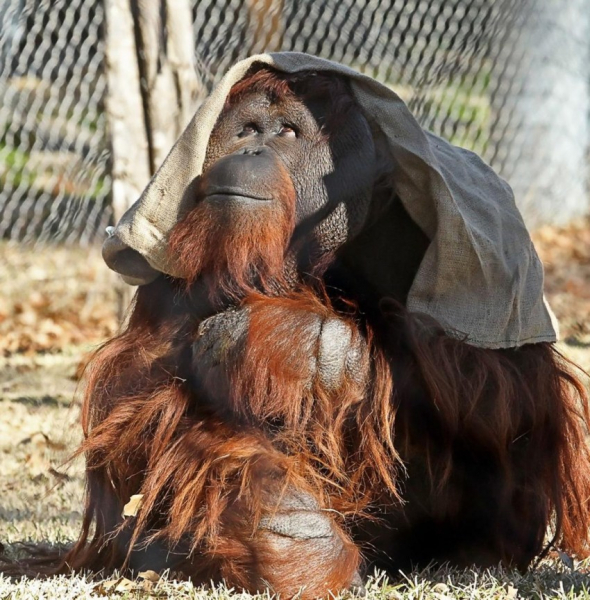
{"points": [[546, 582], [565, 252], [57, 303], [53, 298]]}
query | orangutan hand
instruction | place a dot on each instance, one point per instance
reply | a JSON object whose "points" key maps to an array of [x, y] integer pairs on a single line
{"points": [[321, 348]]}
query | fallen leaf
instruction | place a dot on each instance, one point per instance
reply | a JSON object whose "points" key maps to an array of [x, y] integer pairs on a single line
{"points": [[150, 576], [120, 585], [511, 592], [37, 463], [63, 477], [41, 441], [132, 507]]}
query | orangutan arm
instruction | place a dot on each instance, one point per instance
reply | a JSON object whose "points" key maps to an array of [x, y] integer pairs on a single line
{"points": [[295, 343], [289, 366]]}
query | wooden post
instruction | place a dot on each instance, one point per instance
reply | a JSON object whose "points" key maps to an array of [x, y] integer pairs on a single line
{"points": [[153, 89], [124, 107]]}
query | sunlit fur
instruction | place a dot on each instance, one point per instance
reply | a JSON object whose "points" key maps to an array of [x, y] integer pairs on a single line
{"points": [[429, 402], [249, 245], [209, 481]]}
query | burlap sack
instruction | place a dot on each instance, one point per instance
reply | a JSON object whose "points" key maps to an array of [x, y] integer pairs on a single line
{"points": [[480, 277]]}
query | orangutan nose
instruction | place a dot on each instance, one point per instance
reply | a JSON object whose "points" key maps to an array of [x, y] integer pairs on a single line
{"points": [[253, 151]]}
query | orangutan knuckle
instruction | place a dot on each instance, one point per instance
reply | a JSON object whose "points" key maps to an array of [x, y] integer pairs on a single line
{"points": [[340, 353], [298, 516], [221, 335]]}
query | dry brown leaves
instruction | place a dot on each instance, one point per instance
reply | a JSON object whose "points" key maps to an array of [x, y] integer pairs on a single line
{"points": [[38, 460], [146, 582], [565, 252], [53, 298]]}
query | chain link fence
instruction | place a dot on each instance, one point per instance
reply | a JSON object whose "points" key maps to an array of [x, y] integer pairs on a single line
{"points": [[54, 157], [506, 78]]}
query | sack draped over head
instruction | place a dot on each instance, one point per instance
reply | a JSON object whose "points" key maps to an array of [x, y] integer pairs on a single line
{"points": [[480, 278]]}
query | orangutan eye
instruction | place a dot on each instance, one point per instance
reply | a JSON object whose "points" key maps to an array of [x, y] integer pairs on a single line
{"points": [[249, 129], [288, 131]]}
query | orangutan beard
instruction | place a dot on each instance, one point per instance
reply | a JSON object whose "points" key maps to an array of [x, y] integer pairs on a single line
{"points": [[234, 249]]}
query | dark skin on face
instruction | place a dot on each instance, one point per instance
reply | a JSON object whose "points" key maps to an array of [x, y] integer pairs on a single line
{"points": [[285, 164], [292, 134]]}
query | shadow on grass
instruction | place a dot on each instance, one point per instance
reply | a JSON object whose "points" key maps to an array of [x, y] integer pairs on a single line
{"points": [[576, 343], [28, 559], [48, 401], [551, 579], [25, 515]]}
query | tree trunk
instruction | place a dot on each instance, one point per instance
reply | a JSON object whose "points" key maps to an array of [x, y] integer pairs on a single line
{"points": [[165, 55], [124, 107], [153, 89], [543, 111]]}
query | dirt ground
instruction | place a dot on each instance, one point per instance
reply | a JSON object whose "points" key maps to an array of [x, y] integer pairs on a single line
{"points": [[58, 303]]}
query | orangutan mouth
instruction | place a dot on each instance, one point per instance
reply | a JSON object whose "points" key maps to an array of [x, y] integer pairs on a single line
{"points": [[225, 194]]}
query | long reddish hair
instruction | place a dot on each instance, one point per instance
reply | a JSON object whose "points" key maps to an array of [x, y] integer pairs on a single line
{"points": [[525, 411], [145, 433], [428, 398]]}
